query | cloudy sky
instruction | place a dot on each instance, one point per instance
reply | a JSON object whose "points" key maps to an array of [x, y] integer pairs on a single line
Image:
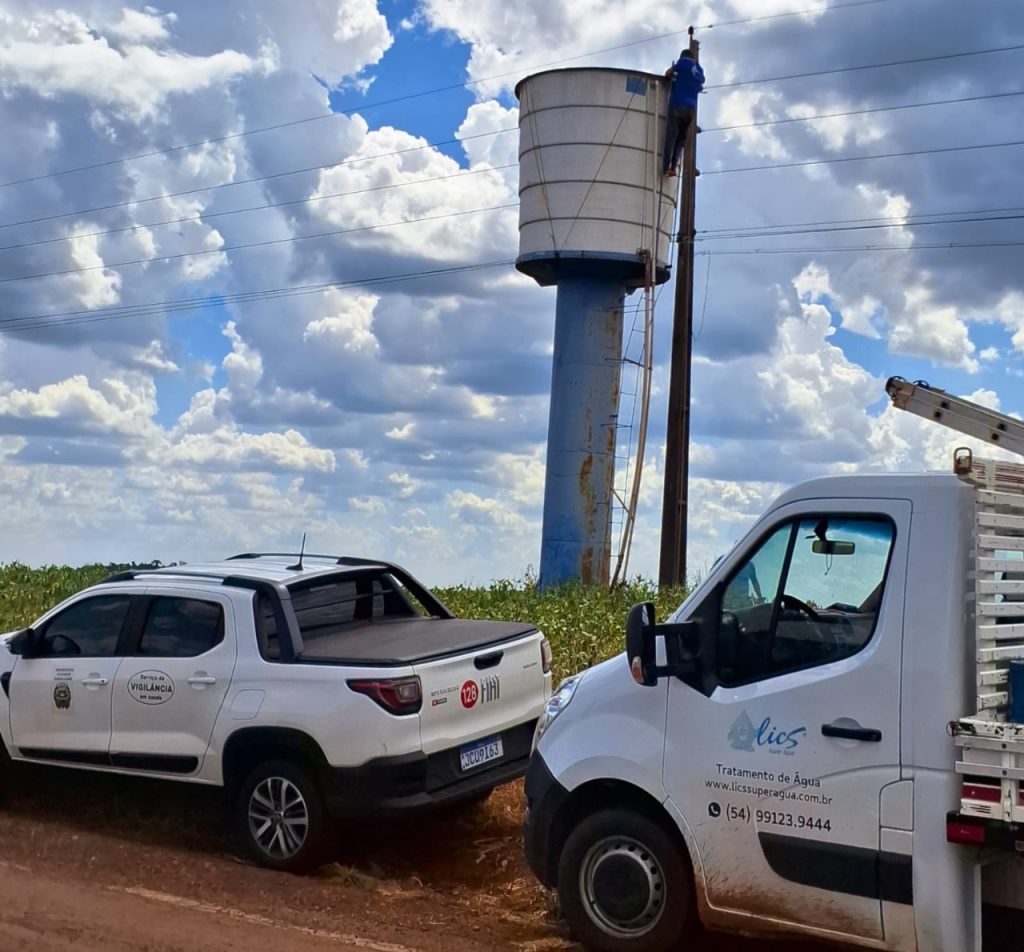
{"points": [[255, 269]]}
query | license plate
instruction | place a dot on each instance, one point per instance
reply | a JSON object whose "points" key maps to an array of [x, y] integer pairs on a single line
{"points": [[482, 752]]}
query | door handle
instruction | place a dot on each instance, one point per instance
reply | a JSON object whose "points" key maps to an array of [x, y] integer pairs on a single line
{"points": [[201, 679], [870, 734], [95, 682]]}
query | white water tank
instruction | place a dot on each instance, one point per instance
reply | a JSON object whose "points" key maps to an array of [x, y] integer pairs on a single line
{"points": [[592, 197]]}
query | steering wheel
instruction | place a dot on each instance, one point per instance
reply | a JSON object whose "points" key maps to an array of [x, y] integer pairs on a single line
{"points": [[791, 601]]}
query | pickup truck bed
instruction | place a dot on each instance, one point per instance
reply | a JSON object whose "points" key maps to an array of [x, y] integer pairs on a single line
{"points": [[406, 641]]}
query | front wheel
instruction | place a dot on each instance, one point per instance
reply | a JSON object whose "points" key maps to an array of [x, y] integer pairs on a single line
{"points": [[625, 885], [280, 820]]}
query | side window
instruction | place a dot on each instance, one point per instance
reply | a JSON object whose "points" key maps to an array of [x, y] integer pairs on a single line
{"points": [[808, 596], [87, 629], [181, 628]]}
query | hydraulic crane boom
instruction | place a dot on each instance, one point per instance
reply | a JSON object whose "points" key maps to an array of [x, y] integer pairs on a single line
{"points": [[996, 429]]}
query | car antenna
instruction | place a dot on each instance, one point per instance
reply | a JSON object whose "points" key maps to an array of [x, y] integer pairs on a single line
{"points": [[297, 567]]}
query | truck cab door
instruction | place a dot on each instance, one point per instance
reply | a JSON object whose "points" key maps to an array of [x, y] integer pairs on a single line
{"points": [[778, 764], [173, 681], [61, 688]]}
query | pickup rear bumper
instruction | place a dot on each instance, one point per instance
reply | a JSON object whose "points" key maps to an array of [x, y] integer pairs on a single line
{"points": [[419, 781]]}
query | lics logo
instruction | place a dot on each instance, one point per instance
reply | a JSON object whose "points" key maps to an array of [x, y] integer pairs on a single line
{"points": [[743, 735]]}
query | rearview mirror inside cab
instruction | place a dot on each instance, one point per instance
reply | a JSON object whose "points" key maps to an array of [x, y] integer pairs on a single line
{"points": [[828, 547]]}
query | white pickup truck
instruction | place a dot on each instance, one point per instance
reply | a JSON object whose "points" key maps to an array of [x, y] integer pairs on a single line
{"points": [[817, 743], [306, 689]]}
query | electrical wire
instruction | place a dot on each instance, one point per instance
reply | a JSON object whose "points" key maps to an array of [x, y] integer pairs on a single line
{"points": [[895, 219], [290, 123], [938, 246], [853, 69], [248, 181], [206, 216], [864, 158], [155, 308], [829, 229], [862, 112], [316, 168]]}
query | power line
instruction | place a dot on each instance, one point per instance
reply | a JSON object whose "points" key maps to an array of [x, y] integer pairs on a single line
{"points": [[853, 69], [429, 92], [864, 158], [248, 181], [206, 216], [938, 246], [31, 323], [251, 245], [895, 219], [317, 168], [836, 228], [791, 13], [862, 112]]}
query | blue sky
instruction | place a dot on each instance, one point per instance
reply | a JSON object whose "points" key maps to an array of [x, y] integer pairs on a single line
{"points": [[407, 419]]}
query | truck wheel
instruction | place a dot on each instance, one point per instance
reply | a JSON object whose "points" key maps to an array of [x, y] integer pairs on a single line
{"points": [[624, 885], [280, 818]]}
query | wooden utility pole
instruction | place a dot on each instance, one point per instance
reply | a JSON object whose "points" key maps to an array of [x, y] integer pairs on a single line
{"points": [[672, 570]]}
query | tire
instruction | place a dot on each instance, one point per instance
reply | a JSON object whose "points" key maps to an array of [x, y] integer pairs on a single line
{"points": [[625, 884], [279, 817]]}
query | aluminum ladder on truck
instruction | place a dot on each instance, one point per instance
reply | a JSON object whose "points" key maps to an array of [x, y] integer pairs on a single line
{"points": [[992, 749]]}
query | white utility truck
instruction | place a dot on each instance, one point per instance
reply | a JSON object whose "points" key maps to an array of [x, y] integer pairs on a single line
{"points": [[817, 743]]}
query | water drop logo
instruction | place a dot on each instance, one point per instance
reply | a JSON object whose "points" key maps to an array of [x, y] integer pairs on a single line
{"points": [[741, 734]]}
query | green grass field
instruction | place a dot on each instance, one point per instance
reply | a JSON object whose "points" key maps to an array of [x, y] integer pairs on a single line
{"points": [[584, 625]]}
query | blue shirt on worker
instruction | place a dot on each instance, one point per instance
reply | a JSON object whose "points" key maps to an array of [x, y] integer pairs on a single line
{"points": [[687, 82]]}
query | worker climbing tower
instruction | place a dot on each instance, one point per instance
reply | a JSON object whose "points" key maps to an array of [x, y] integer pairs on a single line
{"points": [[595, 219]]}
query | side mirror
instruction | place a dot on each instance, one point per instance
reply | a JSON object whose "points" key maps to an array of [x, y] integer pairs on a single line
{"points": [[682, 647], [19, 644], [640, 647]]}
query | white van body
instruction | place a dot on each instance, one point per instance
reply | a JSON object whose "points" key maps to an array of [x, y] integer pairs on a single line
{"points": [[811, 801]]}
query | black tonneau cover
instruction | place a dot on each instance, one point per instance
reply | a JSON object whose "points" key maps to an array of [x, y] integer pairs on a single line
{"points": [[404, 641]]}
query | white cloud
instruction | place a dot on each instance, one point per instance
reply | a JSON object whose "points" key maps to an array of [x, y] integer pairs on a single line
{"points": [[56, 54]]}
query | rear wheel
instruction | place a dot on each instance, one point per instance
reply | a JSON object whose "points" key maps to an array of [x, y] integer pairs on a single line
{"points": [[280, 820], [625, 885]]}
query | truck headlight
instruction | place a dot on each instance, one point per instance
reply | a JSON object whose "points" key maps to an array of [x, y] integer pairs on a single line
{"points": [[557, 703]]}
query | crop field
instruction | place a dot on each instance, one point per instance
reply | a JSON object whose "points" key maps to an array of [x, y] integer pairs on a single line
{"points": [[584, 625]]}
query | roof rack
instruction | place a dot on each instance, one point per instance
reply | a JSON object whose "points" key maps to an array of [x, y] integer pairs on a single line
{"points": [[426, 598]]}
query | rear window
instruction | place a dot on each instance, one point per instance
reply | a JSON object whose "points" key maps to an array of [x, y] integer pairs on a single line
{"points": [[336, 606]]}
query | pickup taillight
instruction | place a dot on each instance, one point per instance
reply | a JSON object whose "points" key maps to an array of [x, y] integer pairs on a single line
{"points": [[397, 696], [545, 655]]}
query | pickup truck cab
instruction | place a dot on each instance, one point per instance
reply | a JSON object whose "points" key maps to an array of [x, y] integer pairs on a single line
{"points": [[781, 757], [328, 686]]}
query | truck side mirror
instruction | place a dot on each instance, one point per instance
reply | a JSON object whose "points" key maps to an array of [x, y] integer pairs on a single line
{"points": [[20, 643], [682, 647], [640, 647]]}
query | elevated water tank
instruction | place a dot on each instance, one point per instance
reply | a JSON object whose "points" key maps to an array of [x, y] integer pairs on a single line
{"points": [[590, 182], [595, 218]]}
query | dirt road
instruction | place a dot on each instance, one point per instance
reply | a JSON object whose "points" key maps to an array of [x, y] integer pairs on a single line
{"points": [[93, 863]]}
